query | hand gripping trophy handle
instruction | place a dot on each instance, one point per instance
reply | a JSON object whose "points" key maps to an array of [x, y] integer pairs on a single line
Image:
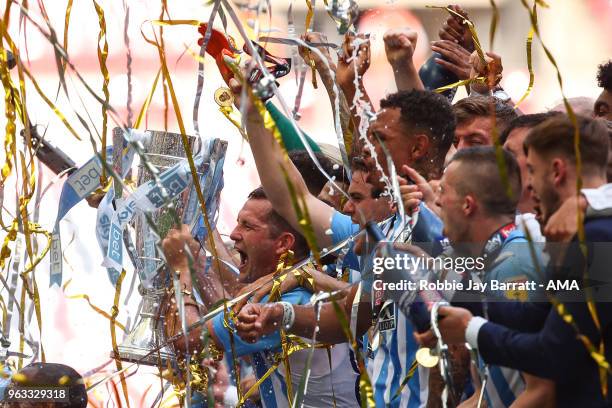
{"points": [[163, 150]]}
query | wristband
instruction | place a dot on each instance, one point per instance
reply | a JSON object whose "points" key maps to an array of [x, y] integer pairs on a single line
{"points": [[288, 315]]}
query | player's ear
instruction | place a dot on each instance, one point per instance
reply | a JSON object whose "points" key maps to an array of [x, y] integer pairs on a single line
{"points": [[284, 243]]}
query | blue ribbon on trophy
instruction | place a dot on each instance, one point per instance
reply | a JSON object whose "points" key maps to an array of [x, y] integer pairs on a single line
{"points": [[77, 186], [148, 197], [113, 197]]}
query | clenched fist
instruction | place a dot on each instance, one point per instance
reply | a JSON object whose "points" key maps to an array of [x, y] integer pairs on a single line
{"points": [[256, 320], [400, 45], [175, 245]]}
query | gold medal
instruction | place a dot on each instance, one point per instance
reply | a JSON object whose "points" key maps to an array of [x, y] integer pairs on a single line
{"points": [[224, 97], [425, 358]]}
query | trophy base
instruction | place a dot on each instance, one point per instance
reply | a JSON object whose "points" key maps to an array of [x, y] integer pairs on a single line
{"points": [[142, 345], [143, 356]]}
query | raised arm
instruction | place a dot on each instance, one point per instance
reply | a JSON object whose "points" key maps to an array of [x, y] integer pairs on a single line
{"points": [[272, 166], [350, 72], [399, 47]]}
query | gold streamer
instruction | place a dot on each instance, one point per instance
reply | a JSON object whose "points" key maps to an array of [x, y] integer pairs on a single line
{"points": [[227, 112], [66, 24], [7, 12], [51, 105], [35, 296], [223, 308], [102, 56], [494, 22], [459, 83], [470, 27], [299, 206], [22, 69], [168, 80], [499, 154], [309, 15], [18, 102], [329, 360], [94, 307], [411, 371], [176, 22], [147, 102], [284, 263], [164, 87], [9, 110], [15, 103], [305, 279], [289, 343], [225, 99], [295, 344], [114, 313], [528, 47], [28, 189], [10, 237], [4, 314]]}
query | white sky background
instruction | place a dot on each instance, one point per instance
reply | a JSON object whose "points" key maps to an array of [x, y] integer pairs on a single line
{"points": [[574, 30]]}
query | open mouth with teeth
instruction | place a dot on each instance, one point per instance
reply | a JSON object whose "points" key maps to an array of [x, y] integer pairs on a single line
{"points": [[244, 258]]}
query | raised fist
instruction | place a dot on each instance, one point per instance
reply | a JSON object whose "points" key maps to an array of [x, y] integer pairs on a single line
{"points": [[400, 45]]}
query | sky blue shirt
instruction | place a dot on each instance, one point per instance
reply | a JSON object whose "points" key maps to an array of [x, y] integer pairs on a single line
{"points": [[273, 390], [515, 263]]}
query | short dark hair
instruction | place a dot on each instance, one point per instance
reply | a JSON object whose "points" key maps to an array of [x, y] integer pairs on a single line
{"points": [[52, 375], [525, 121], [314, 179], [427, 112], [278, 225], [474, 106], [556, 135], [604, 76], [358, 164], [483, 178]]}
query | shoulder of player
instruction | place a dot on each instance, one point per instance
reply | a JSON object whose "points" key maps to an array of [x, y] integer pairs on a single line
{"points": [[297, 296], [343, 223], [516, 260]]}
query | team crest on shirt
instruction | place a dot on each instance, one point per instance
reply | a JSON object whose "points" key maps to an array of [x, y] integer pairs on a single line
{"points": [[386, 317]]}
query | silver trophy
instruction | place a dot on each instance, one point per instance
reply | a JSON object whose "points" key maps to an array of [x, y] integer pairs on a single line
{"points": [[163, 150]]}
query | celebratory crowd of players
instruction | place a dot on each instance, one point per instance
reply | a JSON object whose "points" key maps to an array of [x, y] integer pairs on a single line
{"points": [[539, 348]]}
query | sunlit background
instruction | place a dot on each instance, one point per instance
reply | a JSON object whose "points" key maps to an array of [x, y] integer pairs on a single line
{"points": [[575, 32]]}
